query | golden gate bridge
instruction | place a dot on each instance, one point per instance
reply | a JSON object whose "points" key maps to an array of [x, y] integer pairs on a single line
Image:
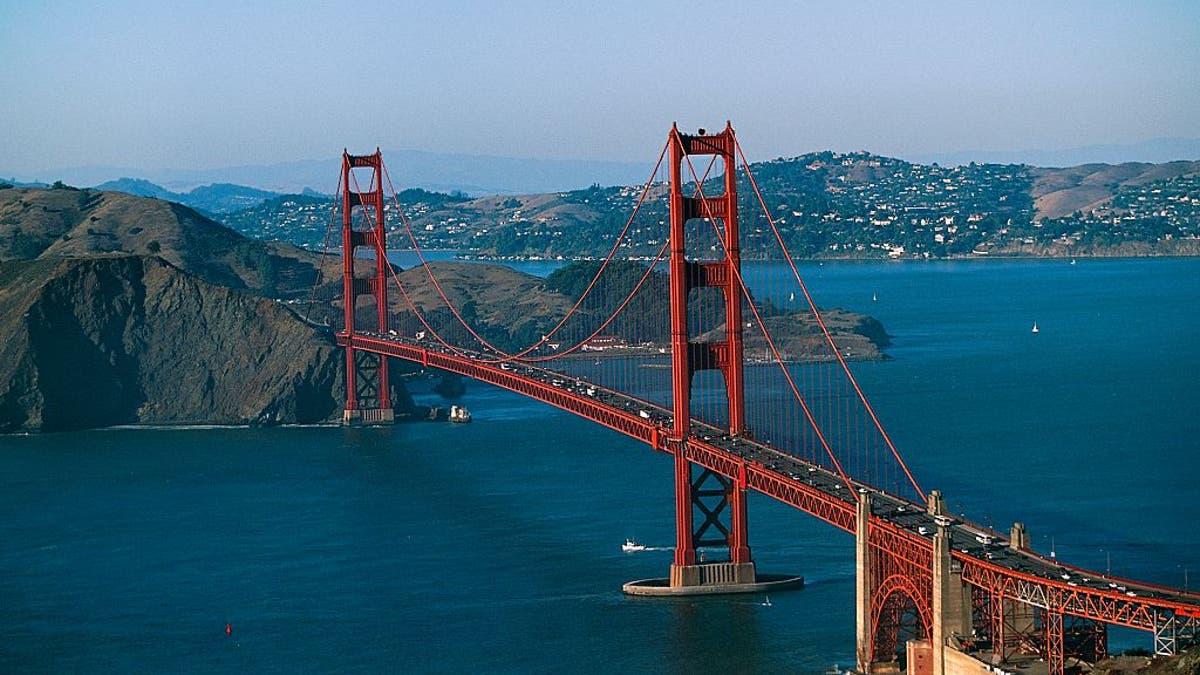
{"points": [[747, 389]]}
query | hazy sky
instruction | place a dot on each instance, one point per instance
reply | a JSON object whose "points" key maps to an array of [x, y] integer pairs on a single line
{"points": [[211, 83]]}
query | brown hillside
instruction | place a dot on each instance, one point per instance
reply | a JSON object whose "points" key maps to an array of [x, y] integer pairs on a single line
{"points": [[55, 223], [119, 339], [492, 295], [1060, 192], [548, 207], [513, 310]]}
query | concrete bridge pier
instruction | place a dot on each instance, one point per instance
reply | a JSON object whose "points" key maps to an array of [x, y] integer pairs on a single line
{"points": [[862, 585], [950, 606], [368, 417], [950, 609], [951, 600], [1013, 623]]}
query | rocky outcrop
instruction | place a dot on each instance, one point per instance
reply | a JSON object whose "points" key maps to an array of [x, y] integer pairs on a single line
{"points": [[127, 339], [1183, 663], [797, 337], [513, 310]]}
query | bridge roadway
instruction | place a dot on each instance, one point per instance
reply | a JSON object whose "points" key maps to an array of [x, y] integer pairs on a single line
{"points": [[903, 526]]}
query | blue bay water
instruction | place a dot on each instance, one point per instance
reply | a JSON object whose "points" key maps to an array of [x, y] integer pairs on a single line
{"points": [[495, 546]]}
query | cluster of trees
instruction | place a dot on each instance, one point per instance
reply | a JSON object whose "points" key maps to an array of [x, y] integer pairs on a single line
{"points": [[254, 255]]}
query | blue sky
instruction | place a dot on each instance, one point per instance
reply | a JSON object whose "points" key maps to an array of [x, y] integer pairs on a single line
{"points": [[208, 84]]}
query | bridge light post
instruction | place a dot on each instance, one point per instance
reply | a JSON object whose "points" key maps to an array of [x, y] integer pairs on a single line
{"points": [[1049, 538]]}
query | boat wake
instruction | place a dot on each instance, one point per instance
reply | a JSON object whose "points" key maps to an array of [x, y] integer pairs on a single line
{"points": [[632, 546]]}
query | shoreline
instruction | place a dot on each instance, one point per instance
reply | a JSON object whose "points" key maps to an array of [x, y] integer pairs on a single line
{"points": [[401, 418], [479, 257]]}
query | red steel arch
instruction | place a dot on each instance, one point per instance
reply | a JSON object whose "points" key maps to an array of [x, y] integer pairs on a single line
{"points": [[896, 588]]}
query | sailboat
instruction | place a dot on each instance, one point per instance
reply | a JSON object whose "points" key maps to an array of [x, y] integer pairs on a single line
{"points": [[1035, 328], [792, 297], [767, 602], [874, 297]]}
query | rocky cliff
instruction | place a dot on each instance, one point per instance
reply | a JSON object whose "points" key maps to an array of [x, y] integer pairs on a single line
{"points": [[117, 339]]}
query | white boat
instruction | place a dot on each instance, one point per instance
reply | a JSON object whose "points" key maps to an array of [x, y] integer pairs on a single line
{"points": [[767, 602], [459, 415], [874, 297], [631, 546], [1035, 328]]}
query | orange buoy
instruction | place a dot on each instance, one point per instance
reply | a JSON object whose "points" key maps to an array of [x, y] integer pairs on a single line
{"points": [[229, 629]]}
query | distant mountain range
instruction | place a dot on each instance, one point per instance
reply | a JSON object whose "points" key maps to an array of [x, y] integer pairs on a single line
{"points": [[1153, 151], [470, 174], [481, 175], [215, 199], [828, 203]]}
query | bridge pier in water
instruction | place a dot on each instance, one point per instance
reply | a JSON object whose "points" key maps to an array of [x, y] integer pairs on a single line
{"points": [[712, 495]]}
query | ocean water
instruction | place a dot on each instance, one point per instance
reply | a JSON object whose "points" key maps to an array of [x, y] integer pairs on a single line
{"points": [[495, 546]]}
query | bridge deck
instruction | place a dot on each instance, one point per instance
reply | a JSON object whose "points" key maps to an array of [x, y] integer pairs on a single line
{"points": [[986, 558]]}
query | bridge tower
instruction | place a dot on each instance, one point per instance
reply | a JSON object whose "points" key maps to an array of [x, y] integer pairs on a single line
{"points": [[368, 396], [719, 501]]}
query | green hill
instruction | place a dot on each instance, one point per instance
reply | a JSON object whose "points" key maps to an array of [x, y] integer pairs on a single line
{"points": [[825, 204]]}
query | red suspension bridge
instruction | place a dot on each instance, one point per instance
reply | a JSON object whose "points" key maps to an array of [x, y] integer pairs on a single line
{"points": [[746, 384]]}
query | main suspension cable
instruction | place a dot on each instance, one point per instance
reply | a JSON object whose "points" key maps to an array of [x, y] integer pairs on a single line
{"points": [[312, 299], [506, 356], [770, 342], [824, 330]]}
